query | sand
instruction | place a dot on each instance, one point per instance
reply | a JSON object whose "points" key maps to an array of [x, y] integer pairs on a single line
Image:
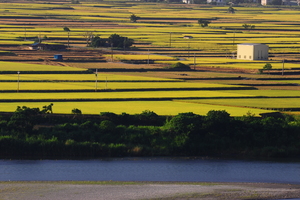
{"points": [[145, 190]]}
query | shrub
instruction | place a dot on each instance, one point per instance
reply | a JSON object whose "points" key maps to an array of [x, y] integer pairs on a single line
{"points": [[180, 66]]}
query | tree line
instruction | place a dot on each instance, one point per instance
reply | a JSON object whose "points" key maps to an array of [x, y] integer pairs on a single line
{"points": [[35, 133]]}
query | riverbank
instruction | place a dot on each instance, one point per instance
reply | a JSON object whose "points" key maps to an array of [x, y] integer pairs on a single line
{"points": [[77, 190]]}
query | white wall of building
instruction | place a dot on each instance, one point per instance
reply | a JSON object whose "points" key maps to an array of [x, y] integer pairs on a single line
{"points": [[252, 51]]}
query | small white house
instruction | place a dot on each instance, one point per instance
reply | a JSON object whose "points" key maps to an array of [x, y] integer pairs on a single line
{"points": [[187, 1], [265, 2], [252, 51], [217, 2]]}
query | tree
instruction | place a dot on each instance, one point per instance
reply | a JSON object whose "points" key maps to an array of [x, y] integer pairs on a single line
{"points": [[267, 66], [89, 35], [181, 126], [97, 42], [217, 121], [47, 109], [134, 18], [231, 10], [68, 30], [116, 40], [76, 111], [23, 119], [203, 22], [248, 26], [180, 66]]}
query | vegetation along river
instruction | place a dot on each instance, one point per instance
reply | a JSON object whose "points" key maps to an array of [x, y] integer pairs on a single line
{"points": [[151, 169]]}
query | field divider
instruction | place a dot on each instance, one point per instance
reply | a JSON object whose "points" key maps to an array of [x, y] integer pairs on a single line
{"points": [[99, 81], [130, 90], [269, 84], [136, 99], [47, 72]]}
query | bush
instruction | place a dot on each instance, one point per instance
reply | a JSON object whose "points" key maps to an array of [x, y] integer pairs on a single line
{"points": [[180, 66]]}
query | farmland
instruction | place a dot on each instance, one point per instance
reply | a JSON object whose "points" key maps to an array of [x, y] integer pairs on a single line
{"points": [[132, 80]]}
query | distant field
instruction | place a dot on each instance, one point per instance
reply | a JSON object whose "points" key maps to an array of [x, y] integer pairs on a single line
{"points": [[160, 24], [266, 103], [108, 85], [159, 37], [268, 93], [133, 107], [119, 95], [141, 57], [79, 77], [14, 66]]}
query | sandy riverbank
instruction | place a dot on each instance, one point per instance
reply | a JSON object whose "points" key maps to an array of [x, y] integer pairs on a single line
{"points": [[145, 190]]}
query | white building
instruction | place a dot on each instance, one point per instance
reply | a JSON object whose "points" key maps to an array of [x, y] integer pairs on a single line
{"points": [[284, 2], [265, 2], [217, 2], [252, 51]]}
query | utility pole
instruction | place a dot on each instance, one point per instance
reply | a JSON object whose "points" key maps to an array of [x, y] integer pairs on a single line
{"points": [[170, 39], [148, 58], [18, 81], [106, 83], [112, 52], [194, 61], [69, 39], [96, 83], [233, 40], [282, 67], [189, 49]]}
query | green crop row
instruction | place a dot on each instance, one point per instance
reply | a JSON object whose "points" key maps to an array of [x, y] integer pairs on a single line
{"points": [[133, 107], [120, 95], [108, 85], [14, 66], [79, 77], [267, 103]]}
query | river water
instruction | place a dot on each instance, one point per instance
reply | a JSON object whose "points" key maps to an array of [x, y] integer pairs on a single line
{"points": [[151, 169]]}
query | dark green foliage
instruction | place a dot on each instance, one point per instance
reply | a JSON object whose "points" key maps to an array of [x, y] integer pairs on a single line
{"points": [[148, 117], [98, 42], [147, 134], [133, 18], [248, 26], [116, 40], [180, 66], [231, 10], [267, 66], [76, 111], [66, 29], [48, 109], [203, 22]]}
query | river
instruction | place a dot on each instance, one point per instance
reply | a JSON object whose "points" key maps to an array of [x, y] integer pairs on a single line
{"points": [[151, 169]]}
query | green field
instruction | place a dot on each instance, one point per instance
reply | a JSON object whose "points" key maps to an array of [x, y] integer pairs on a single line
{"points": [[81, 77], [270, 103], [133, 107], [119, 95], [19, 67], [159, 39], [107, 85]]}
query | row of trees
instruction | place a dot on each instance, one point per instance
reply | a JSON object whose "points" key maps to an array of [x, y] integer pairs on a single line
{"points": [[114, 40], [93, 40], [147, 134]]}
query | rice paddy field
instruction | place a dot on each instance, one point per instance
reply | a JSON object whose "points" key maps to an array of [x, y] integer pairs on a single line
{"points": [[218, 81]]}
